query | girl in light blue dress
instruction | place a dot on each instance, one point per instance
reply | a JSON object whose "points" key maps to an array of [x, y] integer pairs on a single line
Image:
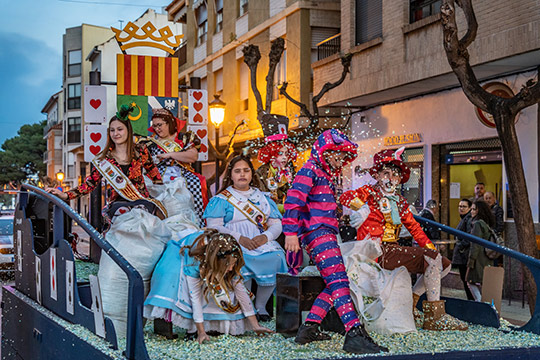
{"points": [[197, 286], [253, 219]]}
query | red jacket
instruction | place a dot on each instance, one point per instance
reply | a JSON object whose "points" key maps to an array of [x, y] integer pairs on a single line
{"points": [[374, 224]]}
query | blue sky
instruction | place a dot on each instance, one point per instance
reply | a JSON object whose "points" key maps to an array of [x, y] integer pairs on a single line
{"points": [[31, 49]]}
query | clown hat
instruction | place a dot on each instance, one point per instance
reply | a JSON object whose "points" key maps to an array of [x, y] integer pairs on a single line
{"points": [[390, 157], [275, 129]]}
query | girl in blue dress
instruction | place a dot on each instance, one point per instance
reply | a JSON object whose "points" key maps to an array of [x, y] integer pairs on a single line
{"points": [[253, 219], [197, 286]]}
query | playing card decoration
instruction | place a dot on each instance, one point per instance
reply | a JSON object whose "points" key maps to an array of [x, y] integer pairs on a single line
{"points": [[202, 133], [38, 279], [198, 107], [95, 104], [70, 302], [95, 138], [52, 274]]}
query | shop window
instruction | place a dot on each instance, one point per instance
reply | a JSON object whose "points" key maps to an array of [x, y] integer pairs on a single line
{"points": [[74, 64], [420, 9], [413, 189], [368, 20], [74, 130], [243, 7], [74, 96], [202, 24]]}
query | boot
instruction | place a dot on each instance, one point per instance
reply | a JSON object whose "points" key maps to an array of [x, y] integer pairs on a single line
{"points": [[358, 341], [417, 314], [436, 318], [308, 332]]}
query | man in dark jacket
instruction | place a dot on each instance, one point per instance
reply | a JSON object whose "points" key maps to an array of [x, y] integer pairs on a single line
{"points": [[497, 211], [429, 213]]}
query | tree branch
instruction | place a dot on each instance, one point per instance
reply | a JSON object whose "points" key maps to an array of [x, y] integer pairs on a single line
{"points": [[458, 55], [276, 51], [252, 56], [303, 108], [527, 96], [346, 63]]}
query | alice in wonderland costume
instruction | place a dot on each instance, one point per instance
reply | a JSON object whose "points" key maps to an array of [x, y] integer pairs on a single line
{"points": [[177, 290], [250, 213]]}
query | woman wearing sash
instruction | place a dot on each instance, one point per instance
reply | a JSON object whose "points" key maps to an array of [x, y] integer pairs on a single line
{"points": [[253, 219], [173, 152], [121, 163]]}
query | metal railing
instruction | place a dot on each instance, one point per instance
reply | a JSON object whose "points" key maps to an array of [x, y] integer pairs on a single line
{"points": [[135, 345], [329, 47], [532, 264]]}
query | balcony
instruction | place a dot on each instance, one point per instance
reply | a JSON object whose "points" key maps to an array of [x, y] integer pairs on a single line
{"points": [[329, 47]]}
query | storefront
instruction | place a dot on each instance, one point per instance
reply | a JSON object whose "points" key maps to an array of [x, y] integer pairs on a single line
{"points": [[448, 147]]}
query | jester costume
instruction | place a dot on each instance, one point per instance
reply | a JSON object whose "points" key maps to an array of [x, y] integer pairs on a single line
{"points": [[388, 212]]}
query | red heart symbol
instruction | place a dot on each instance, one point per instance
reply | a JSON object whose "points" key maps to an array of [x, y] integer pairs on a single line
{"points": [[197, 95], [198, 106], [198, 118], [172, 178], [95, 103], [122, 211], [95, 149], [203, 148], [201, 133], [95, 137]]}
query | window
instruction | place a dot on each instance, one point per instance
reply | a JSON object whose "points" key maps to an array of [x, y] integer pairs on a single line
{"points": [[218, 81], [280, 76], [420, 9], [243, 86], [74, 64], [74, 96], [243, 7], [202, 24], [74, 130], [368, 20], [219, 15]]}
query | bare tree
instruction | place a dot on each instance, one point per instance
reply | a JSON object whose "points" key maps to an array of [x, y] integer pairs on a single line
{"points": [[504, 112], [252, 56]]}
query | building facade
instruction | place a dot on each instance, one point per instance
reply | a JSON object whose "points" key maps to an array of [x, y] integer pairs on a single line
{"points": [[77, 42], [217, 31], [403, 93], [52, 133]]}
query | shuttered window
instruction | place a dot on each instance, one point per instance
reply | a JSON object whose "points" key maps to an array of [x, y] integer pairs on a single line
{"points": [[244, 81], [368, 20]]}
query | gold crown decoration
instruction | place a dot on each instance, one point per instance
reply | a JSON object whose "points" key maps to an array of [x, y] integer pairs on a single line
{"points": [[148, 30]]}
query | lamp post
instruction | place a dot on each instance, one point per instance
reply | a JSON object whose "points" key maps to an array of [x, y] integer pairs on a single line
{"points": [[217, 115], [60, 177]]}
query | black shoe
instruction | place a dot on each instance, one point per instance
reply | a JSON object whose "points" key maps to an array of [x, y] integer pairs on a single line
{"points": [[263, 317], [358, 341], [190, 336], [308, 332]]}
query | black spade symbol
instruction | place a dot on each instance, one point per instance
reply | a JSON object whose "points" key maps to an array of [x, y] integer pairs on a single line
{"points": [[69, 297], [97, 304]]}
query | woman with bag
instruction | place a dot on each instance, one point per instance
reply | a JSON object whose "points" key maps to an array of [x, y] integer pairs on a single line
{"points": [[481, 222]]}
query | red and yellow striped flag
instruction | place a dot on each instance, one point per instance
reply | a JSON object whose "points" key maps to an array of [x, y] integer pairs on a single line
{"points": [[147, 75]]}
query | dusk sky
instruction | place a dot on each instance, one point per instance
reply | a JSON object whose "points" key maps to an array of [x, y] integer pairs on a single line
{"points": [[31, 49]]}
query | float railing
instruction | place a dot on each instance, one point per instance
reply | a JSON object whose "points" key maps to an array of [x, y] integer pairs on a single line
{"points": [[135, 345], [532, 264]]}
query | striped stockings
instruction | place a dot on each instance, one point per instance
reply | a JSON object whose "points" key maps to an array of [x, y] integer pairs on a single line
{"points": [[323, 249]]}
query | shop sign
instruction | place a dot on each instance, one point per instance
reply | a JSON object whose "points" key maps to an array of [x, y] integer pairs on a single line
{"points": [[496, 88], [402, 139]]}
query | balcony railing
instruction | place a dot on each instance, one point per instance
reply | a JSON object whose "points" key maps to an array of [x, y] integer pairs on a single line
{"points": [[329, 47]]}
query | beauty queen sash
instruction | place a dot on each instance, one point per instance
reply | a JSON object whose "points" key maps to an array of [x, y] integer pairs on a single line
{"points": [[248, 209], [169, 146], [121, 183]]}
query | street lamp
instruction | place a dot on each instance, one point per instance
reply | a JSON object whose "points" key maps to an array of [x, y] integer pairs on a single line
{"points": [[60, 177], [217, 115]]}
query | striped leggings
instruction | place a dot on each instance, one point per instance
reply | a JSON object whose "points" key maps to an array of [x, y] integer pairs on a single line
{"points": [[323, 249]]}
